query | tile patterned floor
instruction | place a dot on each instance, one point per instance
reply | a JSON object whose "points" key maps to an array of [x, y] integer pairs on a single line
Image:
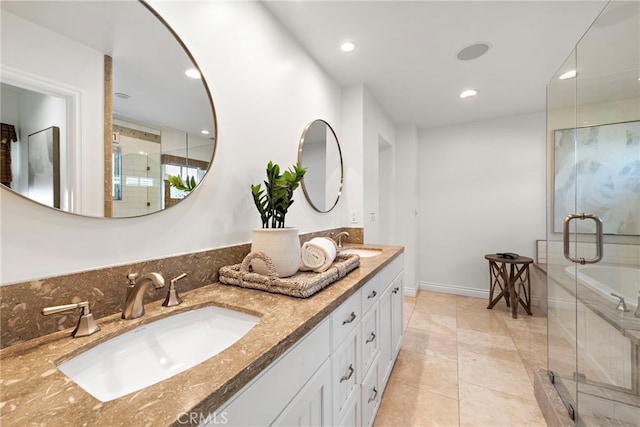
{"points": [[463, 365]]}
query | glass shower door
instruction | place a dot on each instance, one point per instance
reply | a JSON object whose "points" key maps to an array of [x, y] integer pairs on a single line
{"points": [[608, 185], [593, 125]]}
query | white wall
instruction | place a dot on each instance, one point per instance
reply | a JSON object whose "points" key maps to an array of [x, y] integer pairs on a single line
{"points": [[377, 129], [406, 202], [481, 190], [352, 154], [265, 89]]}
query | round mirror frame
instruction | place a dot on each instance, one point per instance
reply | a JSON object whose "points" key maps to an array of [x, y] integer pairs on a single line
{"points": [[314, 204], [214, 135]]}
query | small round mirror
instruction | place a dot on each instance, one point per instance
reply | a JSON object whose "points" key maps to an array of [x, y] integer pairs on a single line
{"points": [[319, 152]]}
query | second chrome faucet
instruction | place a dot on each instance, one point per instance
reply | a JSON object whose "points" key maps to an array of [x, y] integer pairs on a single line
{"points": [[338, 237], [134, 305]]}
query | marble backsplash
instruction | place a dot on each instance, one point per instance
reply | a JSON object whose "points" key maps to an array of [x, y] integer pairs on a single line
{"points": [[105, 288]]}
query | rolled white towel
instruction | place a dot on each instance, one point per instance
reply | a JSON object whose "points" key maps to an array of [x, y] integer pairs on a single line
{"points": [[317, 254]]}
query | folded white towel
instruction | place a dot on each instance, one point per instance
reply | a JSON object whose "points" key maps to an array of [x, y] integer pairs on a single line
{"points": [[317, 254]]}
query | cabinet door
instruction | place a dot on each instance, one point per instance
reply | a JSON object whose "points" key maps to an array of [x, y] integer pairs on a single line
{"points": [[369, 337], [371, 392], [386, 346], [351, 413], [312, 405], [345, 371], [396, 315]]}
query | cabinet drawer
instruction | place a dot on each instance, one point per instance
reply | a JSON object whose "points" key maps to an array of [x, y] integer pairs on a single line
{"points": [[391, 270], [345, 371], [371, 293], [369, 337], [371, 393], [345, 319]]}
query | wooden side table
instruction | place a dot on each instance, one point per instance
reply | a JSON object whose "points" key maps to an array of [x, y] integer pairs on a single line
{"points": [[514, 282]]}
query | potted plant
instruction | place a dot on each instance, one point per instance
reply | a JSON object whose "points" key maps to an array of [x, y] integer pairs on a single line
{"points": [[280, 243]]}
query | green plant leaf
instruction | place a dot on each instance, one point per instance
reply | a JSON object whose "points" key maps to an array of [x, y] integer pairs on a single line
{"points": [[176, 182], [274, 203]]}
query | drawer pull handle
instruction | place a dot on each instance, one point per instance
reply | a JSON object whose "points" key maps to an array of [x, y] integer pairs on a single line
{"points": [[351, 318], [371, 337], [348, 375], [372, 294], [396, 289], [375, 394]]}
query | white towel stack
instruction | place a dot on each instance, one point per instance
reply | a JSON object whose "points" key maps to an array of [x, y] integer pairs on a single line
{"points": [[318, 254]]}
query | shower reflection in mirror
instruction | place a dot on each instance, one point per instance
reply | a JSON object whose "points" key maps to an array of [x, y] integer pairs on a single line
{"points": [[145, 159]]}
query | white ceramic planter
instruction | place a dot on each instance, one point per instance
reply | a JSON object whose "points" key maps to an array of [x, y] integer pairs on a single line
{"points": [[282, 245]]}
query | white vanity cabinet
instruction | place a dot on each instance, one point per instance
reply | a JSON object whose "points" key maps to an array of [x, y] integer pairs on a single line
{"points": [[336, 374]]}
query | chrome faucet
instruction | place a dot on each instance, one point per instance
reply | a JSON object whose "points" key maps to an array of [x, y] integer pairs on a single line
{"points": [[133, 306], [339, 237], [621, 304]]}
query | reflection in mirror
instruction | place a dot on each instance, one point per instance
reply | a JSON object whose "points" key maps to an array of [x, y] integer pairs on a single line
{"points": [[319, 152], [43, 167], [110, 75]]}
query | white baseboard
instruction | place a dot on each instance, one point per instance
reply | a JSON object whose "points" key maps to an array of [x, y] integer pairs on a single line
{"points": [[410, 292], [462, 290], [453, 289]]}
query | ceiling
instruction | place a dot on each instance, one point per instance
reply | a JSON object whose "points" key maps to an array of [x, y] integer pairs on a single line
{"points": [[406, 51]]}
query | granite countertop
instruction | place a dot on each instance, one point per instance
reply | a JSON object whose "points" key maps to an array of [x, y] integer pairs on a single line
{"points": [[34, 392]]}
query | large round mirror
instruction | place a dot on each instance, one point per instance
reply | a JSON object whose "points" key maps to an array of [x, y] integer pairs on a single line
{"points": [[319, 152], [98, 116]]}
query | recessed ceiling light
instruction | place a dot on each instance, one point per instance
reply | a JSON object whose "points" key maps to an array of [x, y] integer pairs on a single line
{"points": [[122, 95], [204, 132], [568, 75], [347, 46], [474, 51], [469, 93], [192, 73]]}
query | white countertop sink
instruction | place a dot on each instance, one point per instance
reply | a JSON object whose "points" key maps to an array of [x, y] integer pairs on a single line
{"points": [[156, 351], [363, 252]]}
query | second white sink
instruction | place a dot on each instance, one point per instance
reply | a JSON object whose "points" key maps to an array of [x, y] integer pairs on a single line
{"points": [[156, 351], [363, 252]]}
